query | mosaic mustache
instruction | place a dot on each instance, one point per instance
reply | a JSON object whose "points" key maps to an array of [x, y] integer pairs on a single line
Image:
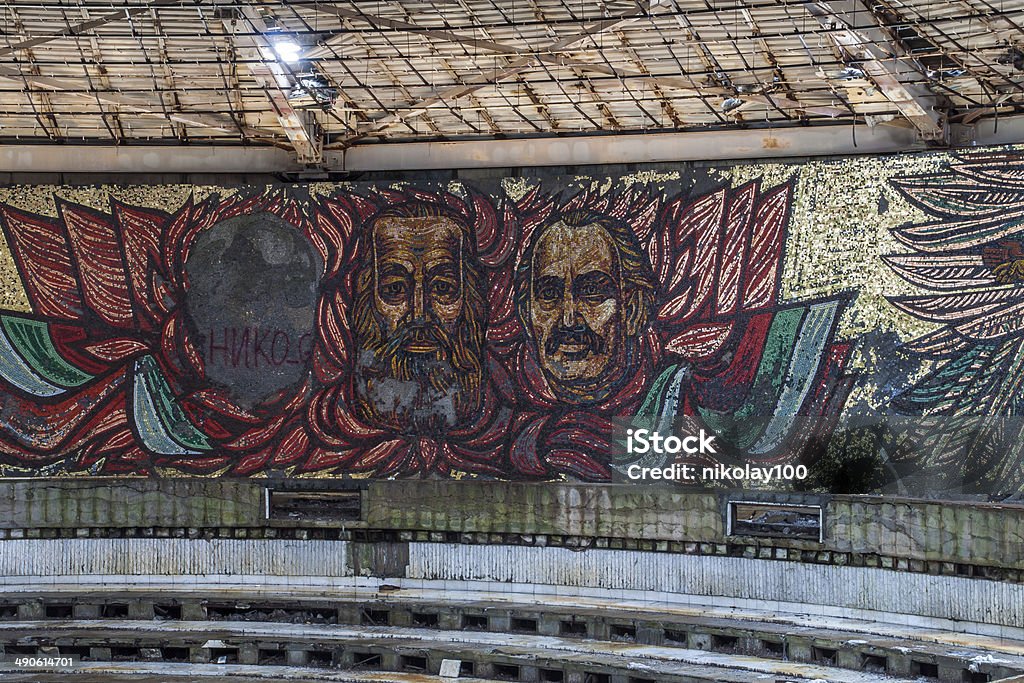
{"points": [[579, 335]]}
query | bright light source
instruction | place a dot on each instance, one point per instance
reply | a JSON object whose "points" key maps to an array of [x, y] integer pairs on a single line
{"points": [[287, 50]]}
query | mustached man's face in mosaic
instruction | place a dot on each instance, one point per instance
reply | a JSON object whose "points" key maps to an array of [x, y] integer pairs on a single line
{"points": [[419, 326], [576, 307]]}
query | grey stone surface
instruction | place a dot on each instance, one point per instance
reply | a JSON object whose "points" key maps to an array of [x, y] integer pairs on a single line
{"points": [[252, 299]]}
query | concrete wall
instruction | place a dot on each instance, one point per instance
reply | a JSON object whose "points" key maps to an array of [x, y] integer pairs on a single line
{"points": [[104, 503], [900, 534]]}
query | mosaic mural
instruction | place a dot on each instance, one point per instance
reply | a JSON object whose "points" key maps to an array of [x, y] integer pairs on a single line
{"points": [[507, 330]]}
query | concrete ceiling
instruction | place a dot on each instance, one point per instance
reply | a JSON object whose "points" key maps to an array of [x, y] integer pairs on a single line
{"points": [[320, 77]]}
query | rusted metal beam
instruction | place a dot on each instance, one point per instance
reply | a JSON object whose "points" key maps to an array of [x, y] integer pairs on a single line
{"points": [[896, 86], [545, 54], [783, 141], [302, 128], [383, 22], [487, 78], [85, 26], [73, 88]]}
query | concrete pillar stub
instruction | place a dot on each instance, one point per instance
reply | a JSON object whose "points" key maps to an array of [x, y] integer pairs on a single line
{"points": [[501, 623], [449, 621], [548, 625], [100, 654], [140, 610], [390, 661], [248, 653], [699, 641], [898, 665], [401, 617], [648, 634], [529, 674], [30, 611], [799, 649], [86, 611], [848, 659], [951, 673], [193, 610]]}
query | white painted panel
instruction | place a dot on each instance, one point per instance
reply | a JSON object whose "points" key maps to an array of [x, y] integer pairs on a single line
{"points": [[171, 556], [859, 589], [529, 573]]}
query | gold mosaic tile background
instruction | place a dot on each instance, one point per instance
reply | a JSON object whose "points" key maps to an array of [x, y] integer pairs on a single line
{"points": [[837, 231]]}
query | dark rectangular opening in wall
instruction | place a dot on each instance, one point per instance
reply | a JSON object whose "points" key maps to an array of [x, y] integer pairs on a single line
{"points": [[572, 628], [321, 659], [524, 625], [467, 668], [59, 612], [366, 660], [634, 679], [374, 617], [824, 655], [506, 672], [321, 505], [23, 650], [724, 643], [8, 611], [224, 655], [425, 619], [271, 657], [976, 677], [592, 677], [414, 663], [310, 615], [316, 616], [124, 653], [167, 611], [80, 651], [773, 649], [623, 633], [873, 663], [174, 654], [675, 637], [552, 676], [775, 520], [925, 669], [474, 622], [114, 610]]}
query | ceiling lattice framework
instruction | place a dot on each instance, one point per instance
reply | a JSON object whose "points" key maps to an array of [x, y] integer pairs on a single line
{"points": [[359, 72]]}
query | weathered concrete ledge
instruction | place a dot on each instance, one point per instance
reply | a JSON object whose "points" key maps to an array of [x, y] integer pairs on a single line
{"points": [[925, 536], [126, 502]]}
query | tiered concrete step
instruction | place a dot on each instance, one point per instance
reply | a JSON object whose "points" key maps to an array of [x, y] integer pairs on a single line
{"points": [[509, 657], [908, 649], [100, 672]]}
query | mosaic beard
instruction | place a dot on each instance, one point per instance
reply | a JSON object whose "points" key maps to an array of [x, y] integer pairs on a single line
{"points": [[417, 392]]}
